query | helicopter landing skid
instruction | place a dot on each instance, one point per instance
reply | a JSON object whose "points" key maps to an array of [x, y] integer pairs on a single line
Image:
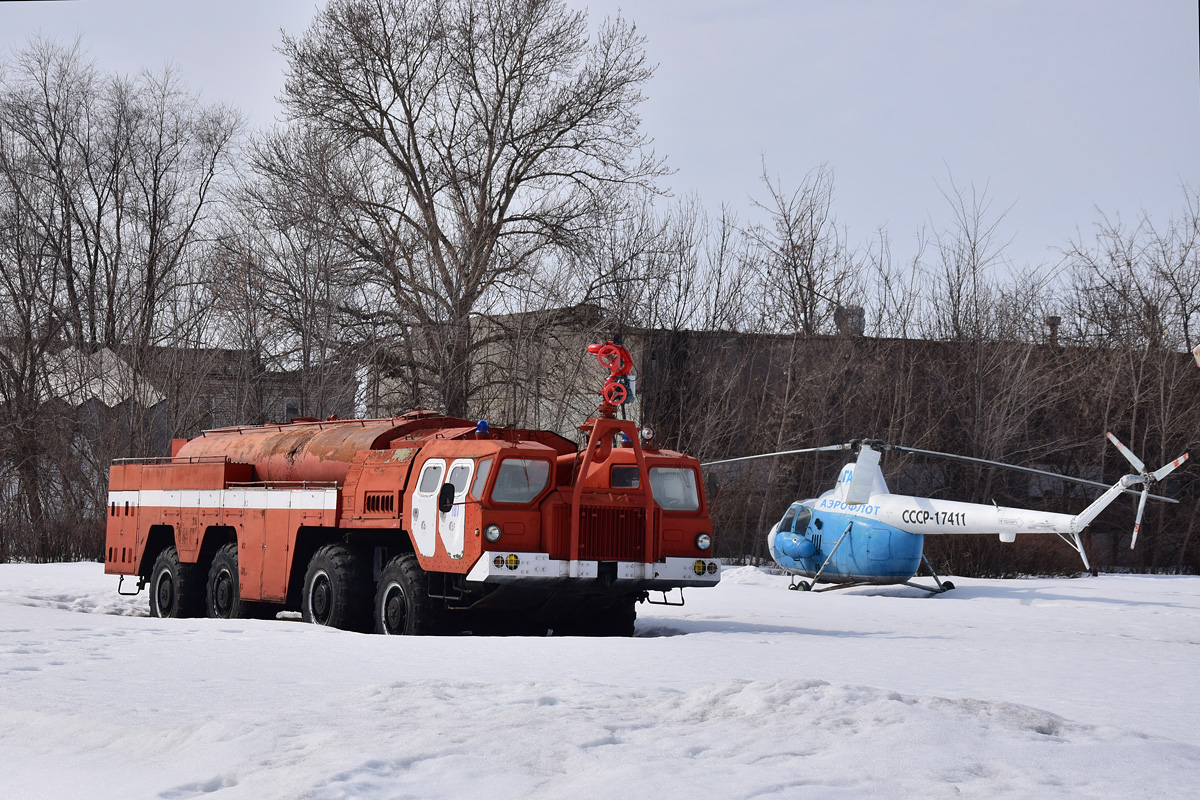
{"points": [[941, 587], [805, 586]]}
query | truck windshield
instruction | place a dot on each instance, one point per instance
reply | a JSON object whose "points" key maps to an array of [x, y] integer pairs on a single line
{"points": [[674, 488], [519, 480]]}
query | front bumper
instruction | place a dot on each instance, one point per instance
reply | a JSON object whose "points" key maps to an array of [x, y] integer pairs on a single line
{"points": [[539, 569]]}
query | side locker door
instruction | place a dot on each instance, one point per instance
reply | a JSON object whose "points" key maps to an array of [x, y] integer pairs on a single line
{"points": [[251, 540], [287, 505], [423, 524], [451, 524], [272, 551]]}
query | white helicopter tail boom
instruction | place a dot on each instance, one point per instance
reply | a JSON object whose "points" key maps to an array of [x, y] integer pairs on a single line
{"points": [[1085, 517]]}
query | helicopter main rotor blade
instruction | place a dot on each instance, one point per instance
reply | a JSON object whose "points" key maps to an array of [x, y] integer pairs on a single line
{"points": [[827, 448], [1030, 470], [1138, 466]]}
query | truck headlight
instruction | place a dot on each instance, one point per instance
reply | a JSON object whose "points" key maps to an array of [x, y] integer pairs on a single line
{"points": [[492, 533], [703, 541]]}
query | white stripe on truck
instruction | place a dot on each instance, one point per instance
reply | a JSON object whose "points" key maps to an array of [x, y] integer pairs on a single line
{"points": [[260, 498]]}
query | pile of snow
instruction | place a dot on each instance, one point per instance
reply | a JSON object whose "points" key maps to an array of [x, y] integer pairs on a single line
{"points": [[1031, 688]]}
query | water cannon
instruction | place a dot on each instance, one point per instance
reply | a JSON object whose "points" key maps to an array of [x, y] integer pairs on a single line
{"points": [[616, 391]]}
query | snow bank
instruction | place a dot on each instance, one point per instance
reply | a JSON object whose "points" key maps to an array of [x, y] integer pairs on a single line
{"points": [[999, 689]]}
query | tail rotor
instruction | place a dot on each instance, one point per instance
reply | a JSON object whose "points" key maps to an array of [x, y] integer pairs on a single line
{"points": [[1147, 479]]}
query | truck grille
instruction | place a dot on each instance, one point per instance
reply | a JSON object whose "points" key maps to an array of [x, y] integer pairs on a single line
{"points": [[605, 533]]}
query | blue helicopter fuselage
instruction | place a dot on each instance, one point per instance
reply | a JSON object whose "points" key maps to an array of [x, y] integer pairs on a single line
{"points": [[871, 552]]}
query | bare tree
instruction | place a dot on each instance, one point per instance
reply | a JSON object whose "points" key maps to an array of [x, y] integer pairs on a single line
{"points": [[105, 187], [807, 265], [489, 132], [293, 292], [1134, 303]]}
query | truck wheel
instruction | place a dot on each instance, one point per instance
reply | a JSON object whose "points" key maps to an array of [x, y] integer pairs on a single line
{"points": [[617, 619], [223, 590], [402, 603], [337, 589], [176, 589], [611, 619]]}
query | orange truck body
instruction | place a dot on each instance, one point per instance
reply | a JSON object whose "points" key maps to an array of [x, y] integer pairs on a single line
{"points": [[581, 525]]}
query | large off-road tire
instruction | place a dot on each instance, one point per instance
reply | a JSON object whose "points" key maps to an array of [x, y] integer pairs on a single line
{"points": [[176, 588], [403, 606], [612, 618], [223, 594], [337, 589], [510, 622]]}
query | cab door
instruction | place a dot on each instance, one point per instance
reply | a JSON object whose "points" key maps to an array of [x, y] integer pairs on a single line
{"points": [[452, 523], [424, 519]]}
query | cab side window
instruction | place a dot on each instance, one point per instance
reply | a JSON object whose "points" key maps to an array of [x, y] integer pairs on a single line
{"points": [[458, 477], [481, 476], [431, 479]]}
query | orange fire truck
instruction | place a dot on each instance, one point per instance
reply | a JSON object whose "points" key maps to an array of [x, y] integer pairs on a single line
{"points": [[415, 524]]}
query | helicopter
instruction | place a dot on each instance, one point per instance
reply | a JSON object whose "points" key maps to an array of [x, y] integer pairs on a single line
{"points": [[860, 534]]}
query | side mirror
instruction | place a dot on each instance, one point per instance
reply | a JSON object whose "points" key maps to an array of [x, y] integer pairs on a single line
{"points": [[712, 486], [446, 497]]}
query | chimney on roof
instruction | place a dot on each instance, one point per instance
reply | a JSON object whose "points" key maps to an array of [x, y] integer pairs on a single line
{"points": [[1052, 322], [1154, 326]]}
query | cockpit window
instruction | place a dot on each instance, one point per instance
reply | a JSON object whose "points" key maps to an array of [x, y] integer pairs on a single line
{"points": [[519, 480], [674, 488], [796, 519], [785, 524]]}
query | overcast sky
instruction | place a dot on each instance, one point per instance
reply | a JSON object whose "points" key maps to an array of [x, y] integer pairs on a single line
{"points": [[1055, 106]]}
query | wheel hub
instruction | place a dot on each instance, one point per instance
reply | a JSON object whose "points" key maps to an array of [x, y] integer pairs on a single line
{"points": [[395, 611], [165, 592], [224, 594], [319, 600]]}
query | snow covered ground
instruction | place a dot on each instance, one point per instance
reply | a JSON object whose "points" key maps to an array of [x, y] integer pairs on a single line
{"points": [[1029, 688]]}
